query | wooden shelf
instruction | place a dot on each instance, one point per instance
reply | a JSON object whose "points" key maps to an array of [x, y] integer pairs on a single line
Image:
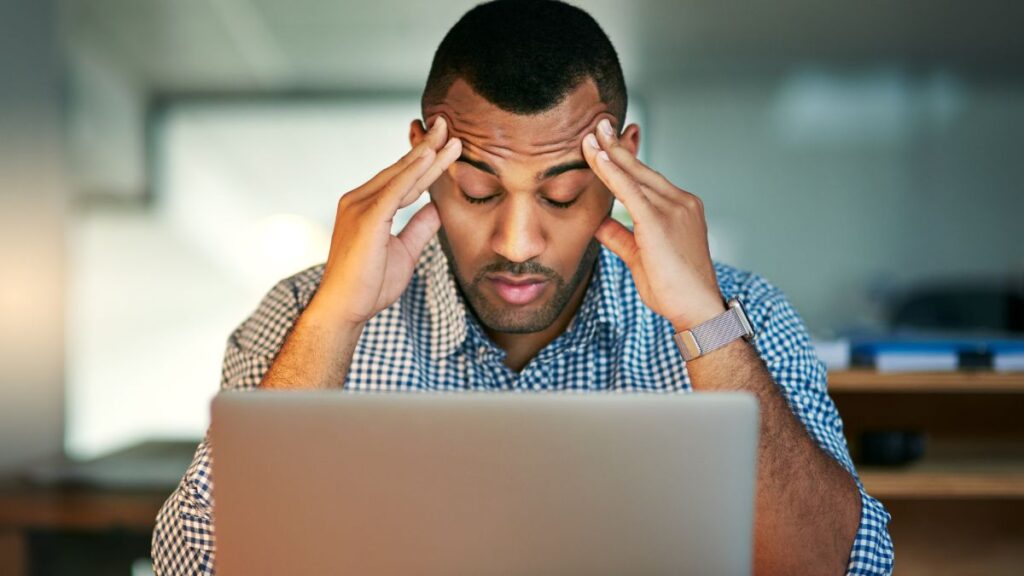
{"points": [[957, 510], [953, 470], [968, 382]]}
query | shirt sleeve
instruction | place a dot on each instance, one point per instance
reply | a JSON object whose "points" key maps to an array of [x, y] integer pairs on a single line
{"points": [[784, 345], [183, 540]]}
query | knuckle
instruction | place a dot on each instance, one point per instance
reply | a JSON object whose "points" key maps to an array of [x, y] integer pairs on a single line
{"points": [[351, 201], [692, 202], [345, 202]]}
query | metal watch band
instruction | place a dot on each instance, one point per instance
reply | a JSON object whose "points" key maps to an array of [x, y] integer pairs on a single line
{"points": [[714, 333]]}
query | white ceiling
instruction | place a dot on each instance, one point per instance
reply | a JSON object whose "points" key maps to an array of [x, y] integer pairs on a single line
{"points": [[186, 45]]}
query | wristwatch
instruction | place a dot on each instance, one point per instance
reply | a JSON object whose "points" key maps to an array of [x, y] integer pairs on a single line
{"points": [[716, 332]]}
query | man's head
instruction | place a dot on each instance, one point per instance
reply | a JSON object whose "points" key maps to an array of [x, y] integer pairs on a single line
{"points": [[521, 83], [525, 56]]}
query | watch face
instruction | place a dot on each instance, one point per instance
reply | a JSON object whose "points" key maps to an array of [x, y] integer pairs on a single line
{"points": [[741, 313]]}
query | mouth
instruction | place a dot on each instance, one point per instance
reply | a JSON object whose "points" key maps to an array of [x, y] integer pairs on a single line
{"points": [[517, 290]]}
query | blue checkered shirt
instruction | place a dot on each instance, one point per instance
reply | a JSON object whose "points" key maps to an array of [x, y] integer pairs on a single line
{"points": [[428, 340]]}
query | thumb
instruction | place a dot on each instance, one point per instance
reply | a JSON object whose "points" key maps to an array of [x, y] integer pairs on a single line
{"points": [[617, 238], [420, 229]]}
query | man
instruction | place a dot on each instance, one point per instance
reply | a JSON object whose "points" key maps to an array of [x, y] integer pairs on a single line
{"points": [[516, 277]]}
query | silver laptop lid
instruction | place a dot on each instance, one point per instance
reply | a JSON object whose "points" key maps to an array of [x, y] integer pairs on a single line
{"points": [[480, 484]]}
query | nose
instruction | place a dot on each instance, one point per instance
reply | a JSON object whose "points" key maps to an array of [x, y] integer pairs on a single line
{"points": [[518, 234]]}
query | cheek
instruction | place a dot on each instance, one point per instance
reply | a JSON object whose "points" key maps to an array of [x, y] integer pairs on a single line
{"points": [[598, 206], [575, 234], [465, 236], [455, 217]]}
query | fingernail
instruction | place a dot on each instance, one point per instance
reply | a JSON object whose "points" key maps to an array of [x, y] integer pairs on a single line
{"points": [[606, 127], [591, 141], [451, 143], [438, 122], [602, 155]]}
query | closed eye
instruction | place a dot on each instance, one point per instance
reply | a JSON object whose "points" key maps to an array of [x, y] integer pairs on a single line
{"points": [[553, 203], [558, 204], [475, 200]]}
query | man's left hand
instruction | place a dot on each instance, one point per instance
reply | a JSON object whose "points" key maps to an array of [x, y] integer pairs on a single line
{"points": [[667, 250]]}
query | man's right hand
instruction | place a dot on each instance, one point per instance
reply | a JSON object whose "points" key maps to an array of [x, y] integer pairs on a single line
{"points": [[368, 268]]}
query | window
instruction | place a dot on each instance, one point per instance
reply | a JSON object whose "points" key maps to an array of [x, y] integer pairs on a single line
{"points": [[244, 195]]}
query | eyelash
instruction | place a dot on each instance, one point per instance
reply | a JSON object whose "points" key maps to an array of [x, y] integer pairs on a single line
{"points": [[553, 203]]}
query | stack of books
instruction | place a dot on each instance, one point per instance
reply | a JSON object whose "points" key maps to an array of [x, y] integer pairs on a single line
{"points": [[920, 354]]}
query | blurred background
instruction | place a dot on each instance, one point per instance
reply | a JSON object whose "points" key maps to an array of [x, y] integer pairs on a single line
{"points": [[163, 164]]}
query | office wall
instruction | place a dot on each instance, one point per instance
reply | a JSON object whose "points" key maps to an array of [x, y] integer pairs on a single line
{"points": [[31, 251], [840, 182], [842, 186]]}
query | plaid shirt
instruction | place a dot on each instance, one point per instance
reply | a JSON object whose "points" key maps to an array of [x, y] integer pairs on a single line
{"points": [[428, 340]]}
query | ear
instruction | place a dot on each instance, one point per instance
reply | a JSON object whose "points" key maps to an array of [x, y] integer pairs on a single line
{"points": [[630, 139], [417, 131]]}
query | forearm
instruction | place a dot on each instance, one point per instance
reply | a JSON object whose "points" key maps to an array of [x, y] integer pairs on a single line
{"points": [[808, 506], [316, 354]]}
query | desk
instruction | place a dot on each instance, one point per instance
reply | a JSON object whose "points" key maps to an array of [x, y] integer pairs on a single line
{"points": [[959, 510], [78, 527]]}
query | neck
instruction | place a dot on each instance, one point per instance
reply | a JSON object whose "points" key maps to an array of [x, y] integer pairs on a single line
{"points": [[521, 348]]}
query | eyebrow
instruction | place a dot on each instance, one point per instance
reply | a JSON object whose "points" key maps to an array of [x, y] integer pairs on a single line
{"points": [[549, 173]]}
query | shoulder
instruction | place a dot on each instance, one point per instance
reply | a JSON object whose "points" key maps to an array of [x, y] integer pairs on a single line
{"points": [[782, 335], [764, 301], [748, 286], [301, 286], [264, 330]]}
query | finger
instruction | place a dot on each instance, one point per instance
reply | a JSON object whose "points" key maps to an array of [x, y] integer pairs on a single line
{"points": [[388, 197], [625, 188], [420, 228], [618, 239], [627, 161], [437, 135], [435, 138], [450, 153]]}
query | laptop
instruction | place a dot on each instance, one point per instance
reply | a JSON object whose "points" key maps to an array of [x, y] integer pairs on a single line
{"points": [[328, 482]]}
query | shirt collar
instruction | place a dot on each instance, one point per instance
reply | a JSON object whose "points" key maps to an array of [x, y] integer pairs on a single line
{"points": [[446, 311], [612, 278], [434, 298]]}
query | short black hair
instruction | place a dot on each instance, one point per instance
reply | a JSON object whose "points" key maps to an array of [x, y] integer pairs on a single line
{"points": [[526, 56]]}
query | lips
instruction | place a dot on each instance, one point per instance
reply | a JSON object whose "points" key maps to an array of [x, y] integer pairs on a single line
{"points": [[518, 291]]}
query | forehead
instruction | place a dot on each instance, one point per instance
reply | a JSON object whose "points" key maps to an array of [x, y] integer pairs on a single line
{"points": [[489, 131]]}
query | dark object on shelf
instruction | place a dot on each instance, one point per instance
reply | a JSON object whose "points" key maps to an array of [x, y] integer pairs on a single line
{"points": [[891, 447], [150, 465], [961, 306]]}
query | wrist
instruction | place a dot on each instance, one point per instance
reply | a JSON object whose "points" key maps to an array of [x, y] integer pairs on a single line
{"points": [[329, 321], [697, 315], [316, 353]]}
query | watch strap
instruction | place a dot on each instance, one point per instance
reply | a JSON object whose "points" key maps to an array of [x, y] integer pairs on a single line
{"points": [[713, 334]]}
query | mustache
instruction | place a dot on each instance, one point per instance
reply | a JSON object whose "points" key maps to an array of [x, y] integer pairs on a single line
{"points": [[516, 269]]}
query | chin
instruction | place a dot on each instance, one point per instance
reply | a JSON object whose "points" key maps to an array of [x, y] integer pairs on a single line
{"points": [[509, 319]]}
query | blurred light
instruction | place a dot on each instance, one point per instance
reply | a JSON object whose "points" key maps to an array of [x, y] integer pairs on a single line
{"points": [[875, 107], [284, 241]]}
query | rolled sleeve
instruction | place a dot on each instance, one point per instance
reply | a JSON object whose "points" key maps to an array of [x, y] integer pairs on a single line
{"points": [[783, 343], [184, 541]]}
